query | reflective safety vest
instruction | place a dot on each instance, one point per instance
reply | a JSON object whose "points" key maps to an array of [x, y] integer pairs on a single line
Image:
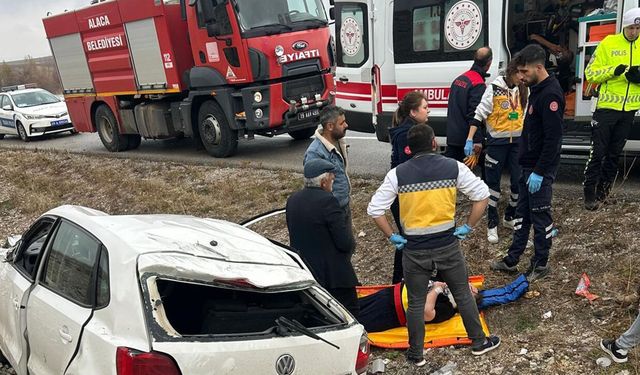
{"points": [[507, 115], [615, 92], [427, 195]]}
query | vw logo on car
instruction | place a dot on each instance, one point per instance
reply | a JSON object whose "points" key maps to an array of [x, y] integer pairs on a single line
{"points": [[285, 365], [300, 45]]}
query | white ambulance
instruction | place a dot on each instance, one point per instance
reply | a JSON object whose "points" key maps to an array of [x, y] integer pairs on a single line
{"points": [[385, 48]]}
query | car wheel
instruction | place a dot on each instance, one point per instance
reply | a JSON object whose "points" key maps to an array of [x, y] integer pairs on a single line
{"points": [[73, 131], [217, 137], [302, 134], [133, 141], [22, 133], [1, 136], [108, 130]]}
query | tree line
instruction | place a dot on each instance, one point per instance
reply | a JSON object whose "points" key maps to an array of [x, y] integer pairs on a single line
{"points": [[42, 72]]}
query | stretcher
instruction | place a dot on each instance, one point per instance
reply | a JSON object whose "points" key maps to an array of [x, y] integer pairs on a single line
{"points": [[450, 332]]}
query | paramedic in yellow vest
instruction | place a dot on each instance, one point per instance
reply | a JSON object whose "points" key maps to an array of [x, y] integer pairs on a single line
{"points": [[614, 66], [426, 187], [501, 111]]}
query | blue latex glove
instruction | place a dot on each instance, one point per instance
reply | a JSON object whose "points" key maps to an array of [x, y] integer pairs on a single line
{"points": [[468, 147], [398, 241], [461, 232], [534, 182]]}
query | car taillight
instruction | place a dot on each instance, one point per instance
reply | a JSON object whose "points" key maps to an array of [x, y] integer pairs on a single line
{"points": [[133, 362], [362, 361]]}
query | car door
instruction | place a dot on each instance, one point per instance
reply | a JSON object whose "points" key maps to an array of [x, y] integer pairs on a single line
{"points": [[7, 125], [16, 280], [354, 60], [62, 301], [433, 42]]}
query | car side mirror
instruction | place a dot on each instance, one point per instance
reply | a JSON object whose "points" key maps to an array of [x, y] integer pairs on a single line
{"points": [[7, 107]]}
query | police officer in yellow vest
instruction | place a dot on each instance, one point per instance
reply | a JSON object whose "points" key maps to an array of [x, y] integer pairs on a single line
{"points": [[501, 109], [615, 66], [426, 186]]}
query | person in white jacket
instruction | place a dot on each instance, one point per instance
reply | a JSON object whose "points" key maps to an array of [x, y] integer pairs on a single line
{"points": [[501, 111]]}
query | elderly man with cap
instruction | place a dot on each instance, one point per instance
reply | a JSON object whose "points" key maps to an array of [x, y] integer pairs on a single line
{"points": [[320, 232], [615, 66]]}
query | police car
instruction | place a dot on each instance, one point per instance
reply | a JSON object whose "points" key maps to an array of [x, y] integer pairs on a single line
{"points": [[28, 112]]}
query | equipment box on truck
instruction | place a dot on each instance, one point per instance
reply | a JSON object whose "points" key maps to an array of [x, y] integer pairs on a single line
{"points": [[216, 70], [386, 48]]}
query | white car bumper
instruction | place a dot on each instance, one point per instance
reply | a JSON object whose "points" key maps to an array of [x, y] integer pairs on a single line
{"points": [[48, 126]]}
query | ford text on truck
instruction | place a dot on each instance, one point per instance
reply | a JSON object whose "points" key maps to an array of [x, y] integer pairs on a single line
{"points": [[386, 48], [216, 70]]}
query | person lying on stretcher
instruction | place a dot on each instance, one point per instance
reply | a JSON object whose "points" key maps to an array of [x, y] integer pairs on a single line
{"points": [[386, 308]]}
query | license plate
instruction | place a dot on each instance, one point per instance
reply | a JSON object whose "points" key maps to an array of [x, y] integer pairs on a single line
{"points": [[59, 122], [307, 114]]}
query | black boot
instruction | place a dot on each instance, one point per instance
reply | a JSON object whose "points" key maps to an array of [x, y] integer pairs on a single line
{"points": [[590, 202], [603, 193]]}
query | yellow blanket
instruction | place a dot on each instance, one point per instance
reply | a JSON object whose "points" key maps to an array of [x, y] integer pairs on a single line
{"points": [[450, 332]]}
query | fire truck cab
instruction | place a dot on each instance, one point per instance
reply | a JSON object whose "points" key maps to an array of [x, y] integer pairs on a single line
{"points": [[216, 70], [386, 48]]}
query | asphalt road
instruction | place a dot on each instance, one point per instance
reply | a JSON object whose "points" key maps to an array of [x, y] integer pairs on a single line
{"points": [[367, 156]]}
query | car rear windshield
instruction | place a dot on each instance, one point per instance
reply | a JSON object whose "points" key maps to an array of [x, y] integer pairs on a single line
{"points": [[203, 310], [34, 98]]}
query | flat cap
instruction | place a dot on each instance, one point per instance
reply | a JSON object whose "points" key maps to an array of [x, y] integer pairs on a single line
{"points": [[315, 167]]}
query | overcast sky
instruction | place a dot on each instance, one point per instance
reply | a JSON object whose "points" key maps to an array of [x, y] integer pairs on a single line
{"points": [[21, 30]]}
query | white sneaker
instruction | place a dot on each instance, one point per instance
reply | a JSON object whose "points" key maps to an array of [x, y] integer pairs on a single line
{"points": [[509, 223], [492, 235]]}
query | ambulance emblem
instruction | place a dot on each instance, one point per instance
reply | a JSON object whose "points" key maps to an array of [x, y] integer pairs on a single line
{"points": [[350, 36], [463, 25]]}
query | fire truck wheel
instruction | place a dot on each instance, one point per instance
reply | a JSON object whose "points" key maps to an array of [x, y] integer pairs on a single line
{"points": [[302, 134], [133, 141], [22, 133], [108, 130], [217, 136]]}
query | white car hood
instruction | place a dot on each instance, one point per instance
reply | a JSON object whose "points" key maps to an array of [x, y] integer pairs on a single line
{"points": [[54, 109]]}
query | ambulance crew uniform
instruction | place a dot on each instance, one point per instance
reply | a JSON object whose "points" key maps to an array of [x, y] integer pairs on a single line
{"points": [[464, 96], [614, 66], [426, 186], [502, 111], [540, 146]]}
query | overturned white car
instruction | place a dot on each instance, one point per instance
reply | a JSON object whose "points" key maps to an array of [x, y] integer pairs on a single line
{"points": [[84, 292]]}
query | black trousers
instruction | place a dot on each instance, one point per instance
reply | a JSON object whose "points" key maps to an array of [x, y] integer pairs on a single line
{"points": [[457, 153], [532, 210], [498, 157], [397, 256], [609, 132]]}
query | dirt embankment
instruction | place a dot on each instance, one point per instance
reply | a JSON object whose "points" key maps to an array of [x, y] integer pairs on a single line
{"points": [[604, 244]]}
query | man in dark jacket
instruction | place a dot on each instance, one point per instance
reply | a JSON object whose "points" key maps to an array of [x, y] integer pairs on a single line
{"points": [[319, 231], [464, 96], [539, 156]]}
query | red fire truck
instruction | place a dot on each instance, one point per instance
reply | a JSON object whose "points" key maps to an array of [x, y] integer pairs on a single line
{"points": [[216, 70]]}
